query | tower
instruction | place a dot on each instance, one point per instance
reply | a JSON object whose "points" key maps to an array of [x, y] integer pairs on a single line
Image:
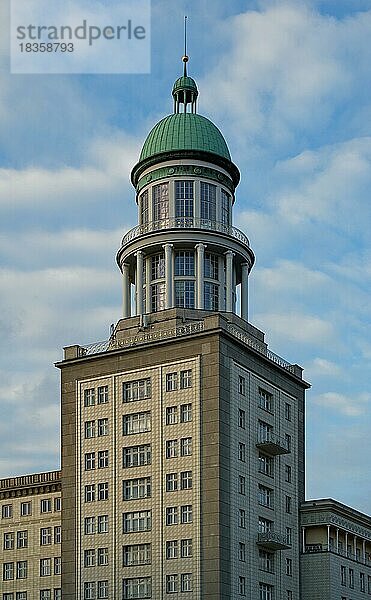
{"points": [[183, 434]]}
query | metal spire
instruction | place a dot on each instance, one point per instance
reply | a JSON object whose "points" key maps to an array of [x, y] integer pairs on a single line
{"points": [[185, 58]]}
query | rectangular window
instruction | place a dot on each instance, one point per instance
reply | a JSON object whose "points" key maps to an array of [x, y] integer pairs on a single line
{"points": [[89, 429], [351, 578], [102, 557], [160, 196], [171, 382], [225, 209], [8, 571], [102, 589], [266, 561], [186, 480], [186, 548], [241, 418], [140, 389], [137, 521], [184, 263], [158, 266], [57, 565], [137, 554], [21, 596], [289, 595], [89, 525], [172, 515], [242, 518], [289, 567], [103, 491], [45, 594], [265, 464], [265, 431], [186, 513], [288, 473], [89, 461], [9, 596], [265, 525], [242, 485], [102, 427], [242, 586], [241, 552], [288, 505], [288, 442], [57, 504], [89, 590], [241, 452], [45, 536], [102, 522], [186, 446], [171, 415], [185, 413], [90, 493], [287, 411], [289, 536], [6, 511], [172, 549], [89, 557], [26, 509], [144, 208], [211, 266], [22, 569], [185, 294], [46, 506], [186, 582], [185, 379], [184, 198], [138, 587], [343, 572], [57, 534], [136, 423], [211, 296], [171, 482], [369, 584], [136, 456], [8, 540], [171, 448], [241, 385], [265, 496], [265, 591], [102, 459], [362, 582], [103, 394], [208, 201], [265, 400], [134, 489], [45, 567], [89, 397], [171, 584]]}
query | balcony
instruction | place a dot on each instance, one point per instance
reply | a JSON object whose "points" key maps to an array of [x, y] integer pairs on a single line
{"points": [[185, 223], [272, 444], [319, 548], [272, 541]]}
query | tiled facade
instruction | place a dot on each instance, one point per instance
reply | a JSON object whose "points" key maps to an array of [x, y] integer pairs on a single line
{"points": [[30, 537]]}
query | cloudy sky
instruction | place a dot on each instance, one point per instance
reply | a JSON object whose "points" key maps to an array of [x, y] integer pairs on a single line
{"points": [[289, 84]]}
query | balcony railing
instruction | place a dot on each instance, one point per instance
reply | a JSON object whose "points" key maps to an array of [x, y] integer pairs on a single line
{"points": [[273, 540], [272, 444], [317, 548], [30, 480], [185, 223]]}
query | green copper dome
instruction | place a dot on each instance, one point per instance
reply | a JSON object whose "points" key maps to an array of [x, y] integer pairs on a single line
{"points": [[185, 131]]}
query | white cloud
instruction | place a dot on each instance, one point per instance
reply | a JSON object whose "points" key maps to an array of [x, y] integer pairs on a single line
{"points": [[296, 327], [350, 406], [321, 367]]}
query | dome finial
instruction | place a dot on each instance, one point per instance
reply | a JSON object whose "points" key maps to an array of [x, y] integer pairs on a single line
{"points": [[185, 57]]}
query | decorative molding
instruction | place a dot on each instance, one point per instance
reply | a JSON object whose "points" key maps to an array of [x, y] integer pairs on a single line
{"points": [[185, 170]]}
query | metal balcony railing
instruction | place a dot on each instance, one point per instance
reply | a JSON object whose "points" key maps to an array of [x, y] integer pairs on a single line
{"points": [[273, 540], [272, 444], [30, 480], [185, 223], [317, 548]]}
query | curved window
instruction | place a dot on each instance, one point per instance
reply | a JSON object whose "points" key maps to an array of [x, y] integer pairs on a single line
{"points": [[208, 201], [185, 294], [158, 297], [185, 263], [211, 296], [184, 198], [211, 265], [158, 266], [144, 209], [160, 195], [225, 209]]}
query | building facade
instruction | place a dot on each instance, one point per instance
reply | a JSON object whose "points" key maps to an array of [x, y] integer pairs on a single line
{"points": [[30, 537], [182, 435], [336, 551]]}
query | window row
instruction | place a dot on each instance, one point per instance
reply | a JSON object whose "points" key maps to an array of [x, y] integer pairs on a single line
{"points": [[97, 460], [96, 557], [93, 396], [179, 583], [181, 514], [184, 202], [265, 430], [46, 506], [55, 594], [180, 380], [182, 447], [20, 538], [141, 422], [19, 569], [184, 290], [266, 591], [96, 428], [96, 524], [265, 398], [347, 578], [178, 481], [97, 491], [140, 554], [96, 590]]}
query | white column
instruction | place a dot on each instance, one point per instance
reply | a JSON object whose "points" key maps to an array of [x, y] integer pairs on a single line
{"points": [[200, 248], [337, 540], [148, 285], [364, 550], [355, 547], [245, 291], [346, 543], [126, 296], [229, 280], [303, 536], [139, 283], [168, 275], [328, 537]]}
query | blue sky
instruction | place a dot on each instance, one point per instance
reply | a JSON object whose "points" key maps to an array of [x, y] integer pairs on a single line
{"points": [[289, 84]]}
